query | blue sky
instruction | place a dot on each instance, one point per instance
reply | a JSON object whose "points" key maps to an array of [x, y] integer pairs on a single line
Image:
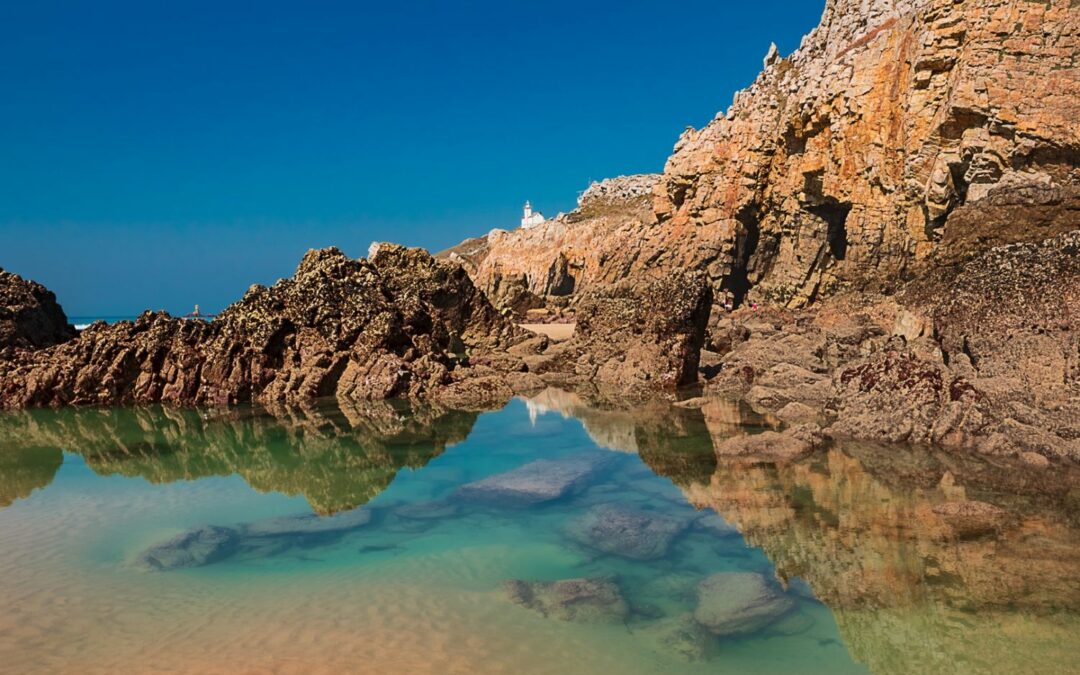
{"points": [[159, 154]]}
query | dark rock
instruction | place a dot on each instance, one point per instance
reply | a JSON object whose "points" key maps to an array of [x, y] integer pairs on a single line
{"points": [[30, 318], [541, 481], [641, 335], [640, 535], [739, 603], [400, 324], [194, 548], [585, 600]]}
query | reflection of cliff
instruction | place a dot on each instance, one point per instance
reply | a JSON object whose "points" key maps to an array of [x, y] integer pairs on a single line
{"points": [[931, 563], [24, 469], [675, 442], [337, 458]]}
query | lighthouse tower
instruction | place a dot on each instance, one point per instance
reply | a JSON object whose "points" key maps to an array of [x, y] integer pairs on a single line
{"points": [[530, 218]]}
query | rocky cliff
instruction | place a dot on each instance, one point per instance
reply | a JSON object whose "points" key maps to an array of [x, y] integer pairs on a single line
{"points": [[901, 135]]}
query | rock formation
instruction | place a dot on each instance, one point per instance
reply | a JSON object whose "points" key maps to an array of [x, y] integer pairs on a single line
{"points": [[30, 317], [399, 324], [900, 135]]}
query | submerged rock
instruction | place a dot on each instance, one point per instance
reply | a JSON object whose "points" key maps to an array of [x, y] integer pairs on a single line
{"points": [[738, 603], [308, 524], [585, 600], [194, 548], [641, 535], [537, 482], [680, 635]]}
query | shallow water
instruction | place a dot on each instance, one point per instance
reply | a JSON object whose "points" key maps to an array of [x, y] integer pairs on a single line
{"points": [[421, 588]]}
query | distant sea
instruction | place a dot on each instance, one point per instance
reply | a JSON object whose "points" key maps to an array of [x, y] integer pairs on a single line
{"points": [[82, 322]]}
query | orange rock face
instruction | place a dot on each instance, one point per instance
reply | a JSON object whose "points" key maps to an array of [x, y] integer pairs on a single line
{"points": [[843, 165]]}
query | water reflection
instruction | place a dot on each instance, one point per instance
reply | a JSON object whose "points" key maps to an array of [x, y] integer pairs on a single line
{"points": [[929, 561], [338, 457]]}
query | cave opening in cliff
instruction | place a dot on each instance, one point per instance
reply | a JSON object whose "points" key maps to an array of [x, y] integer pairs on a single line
{"points": [[835, 215], [746, 243]]}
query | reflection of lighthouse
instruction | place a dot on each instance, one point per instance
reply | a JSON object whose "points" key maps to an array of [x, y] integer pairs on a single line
{"points": [[530, 218]]}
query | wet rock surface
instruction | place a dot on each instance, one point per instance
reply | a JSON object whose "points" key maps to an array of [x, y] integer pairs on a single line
{"points": [[540, 481], [635, 534], [584, 600], [735, 603], [622, 343]]}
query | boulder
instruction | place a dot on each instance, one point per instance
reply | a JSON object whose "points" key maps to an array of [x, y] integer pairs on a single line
{"points": [[584, 600], [739, 603], [631, 533], [681, 636], [537, 482], [30, 317]]}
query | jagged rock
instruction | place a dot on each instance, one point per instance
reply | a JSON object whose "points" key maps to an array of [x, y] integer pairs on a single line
{"points": [[585, 600], [738, 603], [401, 324], [308, 524], [30, 317], [194, 548], [543, 480], [896, 396], [640, 535], [638, 336]]}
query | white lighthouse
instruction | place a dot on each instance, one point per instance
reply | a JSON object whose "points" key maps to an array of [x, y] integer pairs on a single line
{"points": [[530, 218]]}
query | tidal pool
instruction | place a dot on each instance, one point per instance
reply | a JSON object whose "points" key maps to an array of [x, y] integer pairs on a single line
{"points": [[547, 537]]}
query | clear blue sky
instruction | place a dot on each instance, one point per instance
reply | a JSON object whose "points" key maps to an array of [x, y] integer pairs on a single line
{"points": [[159, 154]]}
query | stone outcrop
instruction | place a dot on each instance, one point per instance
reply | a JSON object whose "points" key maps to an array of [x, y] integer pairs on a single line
{"points": [[565, 256], [622, 341], [30, 317], [538, 482], [399, 324]]}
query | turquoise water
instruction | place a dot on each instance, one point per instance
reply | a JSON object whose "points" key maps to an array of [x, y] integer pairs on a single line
{"points": [[420, 579]]}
